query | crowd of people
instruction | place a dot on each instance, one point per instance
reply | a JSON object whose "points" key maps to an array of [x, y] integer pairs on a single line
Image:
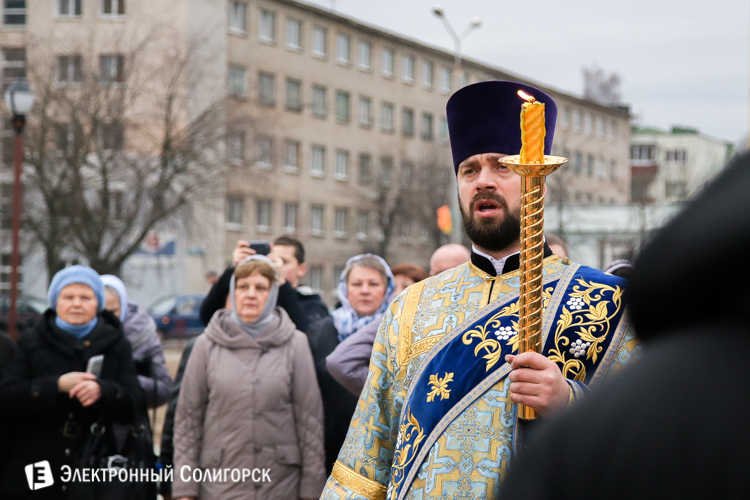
{"points": [[410, 386]]}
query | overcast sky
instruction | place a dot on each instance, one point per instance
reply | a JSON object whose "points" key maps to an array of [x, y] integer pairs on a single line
{"points": [[681, 62]]}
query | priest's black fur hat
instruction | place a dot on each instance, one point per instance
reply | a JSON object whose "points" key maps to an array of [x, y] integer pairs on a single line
{"points": [[485, 117]]}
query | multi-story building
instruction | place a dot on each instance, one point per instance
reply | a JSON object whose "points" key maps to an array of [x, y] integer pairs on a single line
{"points": [[335, 129], [671, 166]]}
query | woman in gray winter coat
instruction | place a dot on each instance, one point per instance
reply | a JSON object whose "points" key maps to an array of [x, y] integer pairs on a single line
{"points": [[249, 401], [140, 330]]}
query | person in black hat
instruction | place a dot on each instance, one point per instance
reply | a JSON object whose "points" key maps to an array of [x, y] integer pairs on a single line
{"points": [[673, 425], [437, 416]]}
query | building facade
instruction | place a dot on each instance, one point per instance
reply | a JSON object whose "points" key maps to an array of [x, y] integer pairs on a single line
{"points": [[335, 130], [671, 166]]}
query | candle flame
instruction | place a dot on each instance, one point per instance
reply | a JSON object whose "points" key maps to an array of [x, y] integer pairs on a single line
{"points": [[524, 95]]}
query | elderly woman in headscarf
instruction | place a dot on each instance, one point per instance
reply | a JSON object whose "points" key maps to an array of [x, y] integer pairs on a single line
{"points": [[140, 330], [365, 290], [249, 400], [46, 395]]}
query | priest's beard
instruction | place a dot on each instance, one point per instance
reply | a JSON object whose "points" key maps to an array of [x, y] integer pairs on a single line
{"points": [[491, 234]]}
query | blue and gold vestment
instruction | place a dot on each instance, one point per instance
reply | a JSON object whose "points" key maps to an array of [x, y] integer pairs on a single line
{"points": [[435, 419]]}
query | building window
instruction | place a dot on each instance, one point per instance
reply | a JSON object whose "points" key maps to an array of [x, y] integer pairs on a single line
{"points": [[590, 165], [342, 48], [407, 69], [612, 130], [343, 107], [113, 7], [404, 228], [613, 170], [588, 124], [427, 74], [290, 217], [293, 34], [6, 206], [339, 223], [238, 17], [320, 41], [263, 216], [463, 79], [677, 156], [342, 164], [427, 126], [236, 146], [291, 156], [316, 220], [235, 209], [363, 223], [675, 189], [565, 118], [386, 117], [365, 169], [642, 153], [600, 127], [267, 26], [14, 12], [66, 137], [445, 80], [69, 69], [387, 63], [318, 160], [293, 94], [337, 272], [14, 65], [601, 168], [444, 134], [264, 152], [406, 174], [69, 8], [266, 84], [578, 165], [237, 81], [365, 55], [386, 170], [112, 137], [112, 69], [576, 121], [365, 112], [319, 107], [408, 122], [316, 278]]}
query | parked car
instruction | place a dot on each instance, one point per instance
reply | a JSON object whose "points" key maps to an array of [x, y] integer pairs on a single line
{"points": [[30, 309], [178, 316]]}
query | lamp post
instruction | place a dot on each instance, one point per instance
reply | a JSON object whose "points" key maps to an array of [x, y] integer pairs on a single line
{"points": [[19, 99], [456, 83]]}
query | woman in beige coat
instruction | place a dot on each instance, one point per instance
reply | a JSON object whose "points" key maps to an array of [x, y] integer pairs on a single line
{"points": [[249, 402]]}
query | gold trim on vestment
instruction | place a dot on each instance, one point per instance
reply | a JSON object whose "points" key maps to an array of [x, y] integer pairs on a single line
{"points": [[372, 490], [411, 301]]}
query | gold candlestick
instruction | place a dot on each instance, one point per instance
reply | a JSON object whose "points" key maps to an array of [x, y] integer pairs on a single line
{"points": [[532, 253]]}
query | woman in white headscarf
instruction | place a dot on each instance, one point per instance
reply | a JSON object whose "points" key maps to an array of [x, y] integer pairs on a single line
{"points": [[249, 400], [365, 290]]}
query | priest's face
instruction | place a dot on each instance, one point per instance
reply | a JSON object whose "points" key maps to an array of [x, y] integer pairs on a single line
{"points": [[489, 196]]}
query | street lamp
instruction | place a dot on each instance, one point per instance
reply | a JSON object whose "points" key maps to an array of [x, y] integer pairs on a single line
{"points": [[476, 23], [19, 99]]}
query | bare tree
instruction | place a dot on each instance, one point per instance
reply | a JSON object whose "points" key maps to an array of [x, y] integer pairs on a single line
{"points": [[601, 87], [115, 150]]}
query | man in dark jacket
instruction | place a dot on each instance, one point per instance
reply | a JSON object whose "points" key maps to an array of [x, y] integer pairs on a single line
{"points": [[302, 305], [673, 424]]}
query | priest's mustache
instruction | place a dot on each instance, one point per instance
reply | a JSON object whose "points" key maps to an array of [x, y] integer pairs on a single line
{"points": [[488, 196]]}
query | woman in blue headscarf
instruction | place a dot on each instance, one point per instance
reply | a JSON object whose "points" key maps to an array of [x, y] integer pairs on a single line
{"points": [[48, 398], [365, 290]]}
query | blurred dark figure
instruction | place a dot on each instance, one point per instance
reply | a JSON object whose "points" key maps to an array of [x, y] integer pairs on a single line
{"points": [[6, 351], [674, 424], [212, 277], [622, 268], [407, 274]]}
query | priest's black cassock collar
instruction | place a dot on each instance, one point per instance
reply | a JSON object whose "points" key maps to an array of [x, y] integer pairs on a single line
{"points": [[485, 117], [693, 273]]}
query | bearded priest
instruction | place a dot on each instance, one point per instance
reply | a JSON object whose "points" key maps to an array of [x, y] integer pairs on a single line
{"points": [[437, 417]]}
